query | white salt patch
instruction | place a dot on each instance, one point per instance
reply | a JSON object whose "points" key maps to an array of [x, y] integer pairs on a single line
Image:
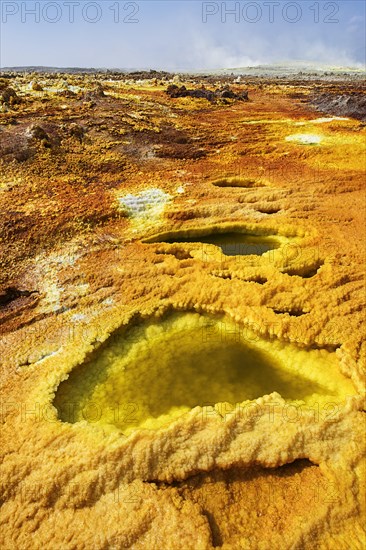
{"points": [[78, 317], [305, 139], [51, 354], [147, 204], [180, 189], [320, 120], [53, 296]]}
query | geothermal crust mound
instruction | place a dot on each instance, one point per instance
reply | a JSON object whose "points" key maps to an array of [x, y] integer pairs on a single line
{"points": [[181, 306]]}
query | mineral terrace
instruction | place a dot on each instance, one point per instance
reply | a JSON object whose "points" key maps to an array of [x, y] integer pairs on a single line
{"points": [[181, 306]]}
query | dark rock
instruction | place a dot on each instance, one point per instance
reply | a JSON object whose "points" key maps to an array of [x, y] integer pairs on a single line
{"points": [[67, 93], [345, 105], [172, 89], [77, 131], [3, 84], [9, 96], [37, 132], [36, 87], [224, 93], [244, 96], [11, 293], [228, 94], [96, 93], [146, 75]]}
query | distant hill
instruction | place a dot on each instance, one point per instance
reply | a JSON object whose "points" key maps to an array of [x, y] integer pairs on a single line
{"points": [[275, 70], [68, 70]]}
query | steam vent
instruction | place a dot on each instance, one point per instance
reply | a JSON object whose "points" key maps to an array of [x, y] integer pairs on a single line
{"points": [[182, 299]]}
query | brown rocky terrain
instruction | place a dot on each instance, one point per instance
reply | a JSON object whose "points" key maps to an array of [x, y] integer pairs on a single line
{"points": [[243, 411]]}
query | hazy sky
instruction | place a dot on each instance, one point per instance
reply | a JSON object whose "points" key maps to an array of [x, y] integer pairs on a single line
{"points": [[181, 34]]}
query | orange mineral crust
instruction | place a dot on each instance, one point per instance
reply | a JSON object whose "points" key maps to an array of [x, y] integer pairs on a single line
{"points": [[182, 296]]}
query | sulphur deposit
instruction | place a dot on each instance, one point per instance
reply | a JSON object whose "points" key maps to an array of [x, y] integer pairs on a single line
{"points": [[181, 307]]}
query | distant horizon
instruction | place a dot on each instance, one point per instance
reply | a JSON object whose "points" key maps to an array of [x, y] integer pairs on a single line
{"points": [[300, 65]]}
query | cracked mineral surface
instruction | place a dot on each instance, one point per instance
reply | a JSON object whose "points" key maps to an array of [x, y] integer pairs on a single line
{"points": [[182, 298]]}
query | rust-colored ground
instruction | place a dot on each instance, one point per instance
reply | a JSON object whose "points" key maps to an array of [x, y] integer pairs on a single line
{"points": [[74, 268]]}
